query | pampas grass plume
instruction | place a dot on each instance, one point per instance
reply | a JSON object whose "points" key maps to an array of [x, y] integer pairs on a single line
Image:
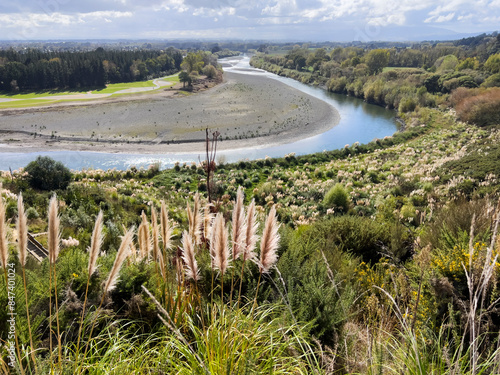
{"points": [[4, 248], [239, 230], [95, 243], [166, 227], [22, 231], [192, 271], [251, 237], [54, 222], [269, 242], [144, 238], [220, 250], [123, 253]]}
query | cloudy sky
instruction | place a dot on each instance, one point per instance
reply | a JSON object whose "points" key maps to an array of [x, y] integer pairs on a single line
{"points": [[314, 20]]}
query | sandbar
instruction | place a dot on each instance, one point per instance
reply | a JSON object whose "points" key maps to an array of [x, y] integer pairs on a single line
{"points": [[246, 110]]}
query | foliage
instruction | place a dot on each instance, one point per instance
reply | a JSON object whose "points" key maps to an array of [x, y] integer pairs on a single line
{"points": [[338, 198], [46, 174], [376, 60], [36, 70], [480, 109]]}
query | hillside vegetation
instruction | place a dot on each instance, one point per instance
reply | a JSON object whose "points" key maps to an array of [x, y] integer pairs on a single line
{"points": [[379, 258]]}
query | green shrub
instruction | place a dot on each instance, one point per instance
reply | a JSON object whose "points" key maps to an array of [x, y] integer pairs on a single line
{"points": [[47, 174], [337, 197]]}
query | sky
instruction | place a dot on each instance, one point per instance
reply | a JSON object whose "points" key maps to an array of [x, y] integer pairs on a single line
{"points": [[290, 20]]}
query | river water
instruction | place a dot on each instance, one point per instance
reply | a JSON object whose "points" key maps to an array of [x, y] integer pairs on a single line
{"points": [[359, 122]]}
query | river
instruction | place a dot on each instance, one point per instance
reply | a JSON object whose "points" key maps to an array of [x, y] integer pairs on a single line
{"points": [[359, 122]]}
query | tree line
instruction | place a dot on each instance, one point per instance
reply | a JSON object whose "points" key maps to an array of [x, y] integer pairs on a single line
{"points": [[32, 69], [402, 78]]}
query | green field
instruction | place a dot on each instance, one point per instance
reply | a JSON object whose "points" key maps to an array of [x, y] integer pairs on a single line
{"points": [[114, 87], [29, 99]]}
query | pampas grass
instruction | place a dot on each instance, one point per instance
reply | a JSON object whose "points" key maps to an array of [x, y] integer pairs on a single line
{"points": [[4, 245], [192, 271], [53, 244], [251, 236], [238, 222], [144, 237], [166, 228], [94, 250], [208, 218], [157, 254], [122, 254], [54, 235], [22, 245], [194, 218], [219, 246], [22, 231], [269, 242], [95, 244]]}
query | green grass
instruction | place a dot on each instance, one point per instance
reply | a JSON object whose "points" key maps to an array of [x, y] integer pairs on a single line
{"points": [[40, 94], [30, 99], [113, 87], [26, 103]]}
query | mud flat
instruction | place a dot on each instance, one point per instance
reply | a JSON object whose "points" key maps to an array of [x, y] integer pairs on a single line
{"points": [[247, 110]]}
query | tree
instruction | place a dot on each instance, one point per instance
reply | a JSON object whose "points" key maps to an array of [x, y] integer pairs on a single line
{"points": [[493, 64], [47, 174], [185, 77], [377, 60], [193, 62]]}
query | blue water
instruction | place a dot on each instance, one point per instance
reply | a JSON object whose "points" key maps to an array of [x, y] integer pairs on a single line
{"points": [[359, 122]]}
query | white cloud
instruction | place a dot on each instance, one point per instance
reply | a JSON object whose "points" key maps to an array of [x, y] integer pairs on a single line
{"points": [[143, 18]]}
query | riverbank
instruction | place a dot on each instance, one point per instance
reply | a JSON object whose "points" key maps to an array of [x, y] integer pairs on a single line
{"points": [[247, 110]]}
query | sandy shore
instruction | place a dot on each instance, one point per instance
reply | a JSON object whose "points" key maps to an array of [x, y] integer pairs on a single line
{"points": [[247, 110]]}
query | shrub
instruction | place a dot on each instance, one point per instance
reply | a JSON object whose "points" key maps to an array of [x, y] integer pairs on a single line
{"points": [[481, 109], [337, 197], [47, 174], [210, 71], [408, 104]]}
